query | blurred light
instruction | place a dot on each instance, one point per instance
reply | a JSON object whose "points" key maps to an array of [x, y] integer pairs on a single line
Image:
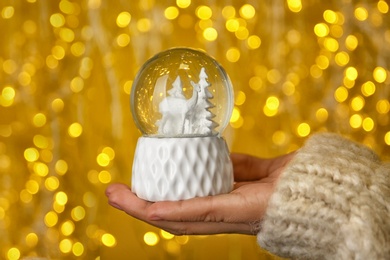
{"points": [[78, 249], [183, 3], [330, 16], [357, 103], [57, 20], [13, 253], [78, 213], [288, 88], [279, 137], [127, 86], [89, 199], [7, 12], [240, 98], [356, 121], [144, 25], [368, 88], [61, 198], [103, 159], [58, 52], [228, 12], [8, 93], [32, 186], [75, 130], [67, 35], [51, 219], [65, 245], [52, 183], [171, 12], [342, 58], [123, 19], [104, 177], [336, 31], [93, 176], [233, 54], [67, 228], [151, 238], [294, 5], [294, 37], [383, 106], [166, 235], [61, 167], [341, 94], [31, 154], [40, 141], [58, 208], [9, 66], [204, 12], [274, 76], [31, 239], [387, 138], [232, 25], [210, 34], [242, 33], [380, 74], [331, 44], [303, 129], [271, 106], [67, 7], [322, 115], [77, 84], [361, 13], [383, 7], [322, 62], [182, 240], [321, 29], [41, 169], [368, 124], [235, 115], [255, 83], [25, 196], [109, 240], [39, 120], [351, 42], [351, 73], [57, 105], [247, 11], [315, 71]]}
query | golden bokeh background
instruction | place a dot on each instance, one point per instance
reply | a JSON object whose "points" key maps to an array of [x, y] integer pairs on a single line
{"points": [[66, 132]]}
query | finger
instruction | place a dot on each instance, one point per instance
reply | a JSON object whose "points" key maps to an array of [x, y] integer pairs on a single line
{"points": [[121, 197], [235, 207], [250, 168], [207, 228]]}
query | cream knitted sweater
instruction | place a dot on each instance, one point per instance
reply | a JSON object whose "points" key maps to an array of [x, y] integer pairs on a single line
{"points": [[332, 202]]}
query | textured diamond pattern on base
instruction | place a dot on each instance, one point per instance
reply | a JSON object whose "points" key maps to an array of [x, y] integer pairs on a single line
{"points": [[181, 168]]}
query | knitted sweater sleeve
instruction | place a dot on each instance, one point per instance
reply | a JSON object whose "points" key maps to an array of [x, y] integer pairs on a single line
{"points": [[332, 201]]}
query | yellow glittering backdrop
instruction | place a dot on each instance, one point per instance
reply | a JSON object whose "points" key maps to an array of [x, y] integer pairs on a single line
{"points": [[66, 132]]}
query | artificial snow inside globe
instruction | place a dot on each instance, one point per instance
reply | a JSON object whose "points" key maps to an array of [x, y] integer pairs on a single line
{"points": [[181, 101]]}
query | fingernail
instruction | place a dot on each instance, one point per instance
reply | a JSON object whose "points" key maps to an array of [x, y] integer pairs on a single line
{"points": [[155, 218]]}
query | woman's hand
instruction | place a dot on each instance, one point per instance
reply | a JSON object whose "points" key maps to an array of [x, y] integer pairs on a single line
{"points": [[240, 211]]}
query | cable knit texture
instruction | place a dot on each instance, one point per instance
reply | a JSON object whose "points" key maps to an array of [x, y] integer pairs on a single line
{"points": [[332, 202]]}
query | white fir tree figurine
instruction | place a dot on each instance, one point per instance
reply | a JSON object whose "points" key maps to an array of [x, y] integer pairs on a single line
{"points": [[202, 121]]}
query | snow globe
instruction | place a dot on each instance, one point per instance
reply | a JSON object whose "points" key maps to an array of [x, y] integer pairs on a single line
{"points": [[181, 101]]}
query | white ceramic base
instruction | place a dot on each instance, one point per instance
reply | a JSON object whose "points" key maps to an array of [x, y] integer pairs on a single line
{"points": [[181, 168]]}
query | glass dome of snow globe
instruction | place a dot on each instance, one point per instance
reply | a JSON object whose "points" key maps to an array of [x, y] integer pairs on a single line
{"points": [[181, 92]]}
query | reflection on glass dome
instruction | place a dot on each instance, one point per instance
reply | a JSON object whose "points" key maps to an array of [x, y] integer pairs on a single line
{"points": [[181, 92]]}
